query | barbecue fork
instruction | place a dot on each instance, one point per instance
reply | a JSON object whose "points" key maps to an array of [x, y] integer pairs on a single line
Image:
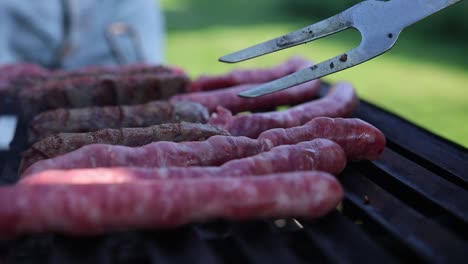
{"points": [[379, 22]]}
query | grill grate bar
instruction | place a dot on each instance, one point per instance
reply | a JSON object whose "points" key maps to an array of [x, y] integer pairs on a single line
{"points": [[181, 246], [341, 241], [402, 222], [445, 194], [304, 248], [28, 249], [444, 158], [125, 248], [418, 195], [78, 250], [228, 250], [260, 245]]}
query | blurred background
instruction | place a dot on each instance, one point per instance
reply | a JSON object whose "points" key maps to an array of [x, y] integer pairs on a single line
{"points": [[424, 78]]}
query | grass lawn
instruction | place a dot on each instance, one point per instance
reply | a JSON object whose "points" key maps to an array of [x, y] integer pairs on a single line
{"points": [[424, 81]]}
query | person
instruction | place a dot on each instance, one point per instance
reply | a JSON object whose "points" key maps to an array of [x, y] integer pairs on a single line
{"points": [[69, 34]]}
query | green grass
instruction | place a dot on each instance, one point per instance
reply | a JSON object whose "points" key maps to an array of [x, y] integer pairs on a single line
{"points": [[424, 81]]}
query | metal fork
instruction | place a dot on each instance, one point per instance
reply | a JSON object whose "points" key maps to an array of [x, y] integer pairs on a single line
{"points": [[379, 22]]}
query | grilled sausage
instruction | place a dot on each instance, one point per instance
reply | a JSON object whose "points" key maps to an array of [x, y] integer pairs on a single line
{"points": [[95, 118], [88, 91], [12, 72]]}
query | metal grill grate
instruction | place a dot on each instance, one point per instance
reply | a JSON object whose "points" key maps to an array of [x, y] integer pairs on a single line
{"points": [[411, 205]]}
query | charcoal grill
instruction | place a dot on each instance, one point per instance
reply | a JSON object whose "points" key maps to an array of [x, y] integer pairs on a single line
{"points": [[411, 205]]}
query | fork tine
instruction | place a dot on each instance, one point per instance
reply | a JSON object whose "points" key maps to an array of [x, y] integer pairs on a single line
{"points": [[338, 63], [373, 19], [315, 31], [372, 45]]}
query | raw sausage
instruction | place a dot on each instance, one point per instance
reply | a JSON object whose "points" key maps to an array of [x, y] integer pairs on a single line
{"points": [[359, 139], [97, 208], [63, 143], [318, 154], [229, 99], [242, 76], [340, 101], [219, 149]]}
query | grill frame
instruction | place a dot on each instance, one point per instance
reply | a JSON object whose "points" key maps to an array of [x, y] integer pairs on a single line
{"points": [[409, 205]]}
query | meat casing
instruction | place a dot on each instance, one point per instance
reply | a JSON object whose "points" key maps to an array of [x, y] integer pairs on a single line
{"points": [[241, 76], [63, 143], [88, 91], [229, 99], [318, 154], [91, 119], [359, 139], [339, 102], [97, 208]]}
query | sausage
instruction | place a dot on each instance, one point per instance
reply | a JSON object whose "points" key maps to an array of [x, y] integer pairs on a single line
{"points": [[318, 154], [97, 208], [359, 139], [91, 119], [100, 70], [21, 76], [340, 101], [12, 72], [229, 99], [100, 91], [238, 77], [62, 143], [369, 142], [214, 151]]}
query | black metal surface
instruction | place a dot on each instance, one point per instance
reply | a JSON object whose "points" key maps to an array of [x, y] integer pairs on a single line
{"points": [[411, 205]]}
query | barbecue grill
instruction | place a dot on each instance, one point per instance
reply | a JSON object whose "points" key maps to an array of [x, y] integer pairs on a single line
{"points": [[411, 205]]}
